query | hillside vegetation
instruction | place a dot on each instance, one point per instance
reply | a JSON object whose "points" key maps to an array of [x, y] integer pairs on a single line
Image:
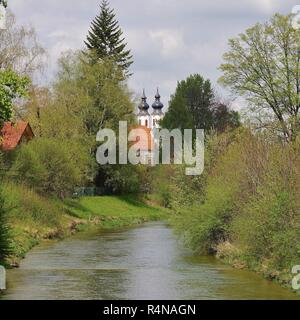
{"points": [[248, 209], [31, 218]]}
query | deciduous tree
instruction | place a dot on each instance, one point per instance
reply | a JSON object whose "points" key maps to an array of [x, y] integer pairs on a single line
{"points": [[263, 65], [12, 86]]}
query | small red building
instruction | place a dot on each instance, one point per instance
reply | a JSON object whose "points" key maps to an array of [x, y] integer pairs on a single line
{"points": [[13, 134]]}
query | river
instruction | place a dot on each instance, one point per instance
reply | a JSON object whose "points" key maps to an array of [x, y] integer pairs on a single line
{"points": [[146, 262]]}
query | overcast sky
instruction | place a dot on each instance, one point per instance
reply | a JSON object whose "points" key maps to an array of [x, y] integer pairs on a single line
{"points": [[169, 39]]}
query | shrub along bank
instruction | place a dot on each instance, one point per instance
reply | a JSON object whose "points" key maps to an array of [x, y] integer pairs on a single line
{"points": [[31, 218], [247, 211]]}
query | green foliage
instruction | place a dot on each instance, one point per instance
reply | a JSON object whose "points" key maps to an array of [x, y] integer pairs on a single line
{"points": [[268, 224], [12, 86], [105, 38], [114, 211], [119, 179], [250, 203], [30, 209], [161, 178], [194, 101], [51, 167], [31, 218], [263, 66], [208, 222], [85, 98], [94, 93], [2, 165], [224, 118], [93, 96], [5, 237]]}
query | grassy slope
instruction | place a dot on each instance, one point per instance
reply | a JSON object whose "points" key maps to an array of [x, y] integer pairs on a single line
{"points": [[33, 218], [113, 212]]}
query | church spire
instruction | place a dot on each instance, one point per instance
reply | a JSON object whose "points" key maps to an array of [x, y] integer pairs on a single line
{"points": [[144, 95], [157, 105], [157, 96], [144, 106]]}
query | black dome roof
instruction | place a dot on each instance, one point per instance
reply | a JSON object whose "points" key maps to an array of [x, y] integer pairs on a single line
{"points": [[157, 105], [144, 106]]}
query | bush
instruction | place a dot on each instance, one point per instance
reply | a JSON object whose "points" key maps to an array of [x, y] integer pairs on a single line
{"points": [[251, 202], [268, 226], [49, 166], [5, 247], [31, 217], [29, 208]]}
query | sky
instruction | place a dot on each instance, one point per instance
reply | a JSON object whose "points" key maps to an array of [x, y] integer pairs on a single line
{"points": [[169, 39]]}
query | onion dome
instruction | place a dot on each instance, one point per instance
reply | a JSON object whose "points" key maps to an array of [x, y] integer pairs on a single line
{"points": [[144, 106], [157, 105]]}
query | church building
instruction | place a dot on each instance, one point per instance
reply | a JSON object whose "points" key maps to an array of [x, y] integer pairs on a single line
{"points": [[148, 120], [145, 118]]}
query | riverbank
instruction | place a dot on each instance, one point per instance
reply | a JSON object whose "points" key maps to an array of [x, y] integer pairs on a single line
{"points": [[245, 208], [145, 262], [232, 256], [33, 219]]}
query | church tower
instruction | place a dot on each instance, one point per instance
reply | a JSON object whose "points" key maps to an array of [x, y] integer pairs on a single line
{"points": [[146, 148], [157, 113], [144, 118]]}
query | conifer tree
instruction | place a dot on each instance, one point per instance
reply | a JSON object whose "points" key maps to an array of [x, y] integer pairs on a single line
{"points": [[105, 38]]}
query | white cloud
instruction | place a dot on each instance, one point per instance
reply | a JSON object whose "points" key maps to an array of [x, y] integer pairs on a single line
{"points": [[169, 39], [170, 42]]}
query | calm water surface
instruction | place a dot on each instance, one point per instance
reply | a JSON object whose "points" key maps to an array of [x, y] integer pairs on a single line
{"points": [[140, 263]]}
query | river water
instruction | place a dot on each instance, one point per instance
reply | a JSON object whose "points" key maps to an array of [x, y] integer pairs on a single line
{"points": [[147, 262]]}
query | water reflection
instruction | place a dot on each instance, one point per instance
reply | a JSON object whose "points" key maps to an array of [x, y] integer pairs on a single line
{"points": [[141, 263]]}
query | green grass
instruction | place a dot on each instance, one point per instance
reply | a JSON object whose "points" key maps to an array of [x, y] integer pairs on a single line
{"points": [[113, 211], [33, 218]]}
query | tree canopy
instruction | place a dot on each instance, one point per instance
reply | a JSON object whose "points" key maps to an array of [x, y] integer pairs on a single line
{"points": [[12, 86], [263, 65], [20, 49], [105, 38], [193, 106]]}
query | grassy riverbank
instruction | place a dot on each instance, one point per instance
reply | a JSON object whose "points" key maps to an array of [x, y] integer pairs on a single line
{"points": [[247, 209], [33, 218], [112, 211]]}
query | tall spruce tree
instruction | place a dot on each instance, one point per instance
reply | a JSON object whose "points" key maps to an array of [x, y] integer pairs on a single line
{"points": [[105, 38]]}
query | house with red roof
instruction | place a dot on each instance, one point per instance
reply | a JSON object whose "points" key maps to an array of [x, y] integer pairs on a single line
{"points": [[13, 134]]}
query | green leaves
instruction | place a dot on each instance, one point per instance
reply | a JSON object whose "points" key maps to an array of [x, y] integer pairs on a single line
{"points": [[5, 242], [193, 106], [49, 166], [105, 39], [12, 86], [263, 65]]}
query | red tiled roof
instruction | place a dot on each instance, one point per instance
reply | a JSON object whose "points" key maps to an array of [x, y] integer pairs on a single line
{"points": [[12, 133]]}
